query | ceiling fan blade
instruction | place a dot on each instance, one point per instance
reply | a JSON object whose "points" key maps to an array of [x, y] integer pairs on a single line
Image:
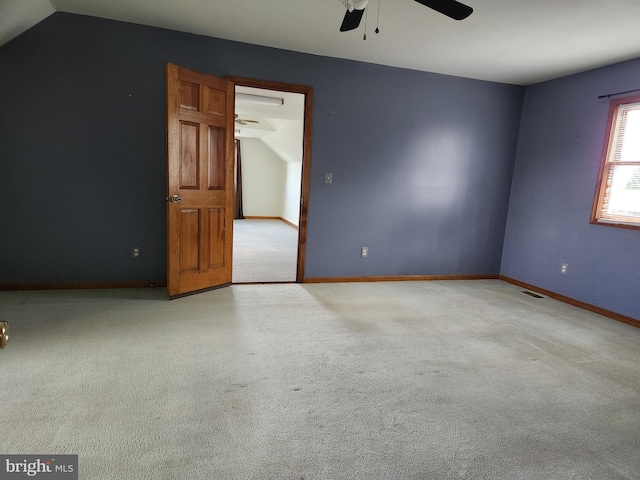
{"points": [[351, 20], [450, 8], [244, 121]]}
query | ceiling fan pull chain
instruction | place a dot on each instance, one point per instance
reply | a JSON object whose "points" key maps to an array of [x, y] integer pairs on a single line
{"points": [[365, 24]]}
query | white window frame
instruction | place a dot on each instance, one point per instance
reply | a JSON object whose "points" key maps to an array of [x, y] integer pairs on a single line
{"points": [[611, 160]]}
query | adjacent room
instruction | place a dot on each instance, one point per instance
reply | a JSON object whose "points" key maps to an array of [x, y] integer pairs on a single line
{"points": [[457, 197], [268, 144]]}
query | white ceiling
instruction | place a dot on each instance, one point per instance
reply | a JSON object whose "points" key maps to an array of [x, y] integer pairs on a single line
{"points": [[509, 41], [17, 16]]}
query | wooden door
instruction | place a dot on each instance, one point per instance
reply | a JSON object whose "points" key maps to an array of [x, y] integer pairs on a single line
{"points": [[200, 181]]}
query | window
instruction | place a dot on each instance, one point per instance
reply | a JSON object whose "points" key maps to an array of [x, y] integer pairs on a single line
{"points": [[617, 201]]}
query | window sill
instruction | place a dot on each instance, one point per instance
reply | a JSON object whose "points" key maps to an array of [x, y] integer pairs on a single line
{"points": [[614, 223]]}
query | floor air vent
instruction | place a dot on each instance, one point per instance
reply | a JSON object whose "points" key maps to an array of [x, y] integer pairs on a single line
{"points": [[531, 294]]}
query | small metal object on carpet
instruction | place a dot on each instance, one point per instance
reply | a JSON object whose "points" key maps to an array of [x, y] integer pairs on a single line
{"points": [[3, 334]]}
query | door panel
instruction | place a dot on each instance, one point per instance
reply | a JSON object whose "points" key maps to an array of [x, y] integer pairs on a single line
{"points": [[189, 240], [217, 231], [216, 148], [189, 155], [215, 102], [200, 180]]}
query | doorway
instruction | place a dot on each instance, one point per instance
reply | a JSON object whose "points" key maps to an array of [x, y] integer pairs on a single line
{"points": [[273, 140]]}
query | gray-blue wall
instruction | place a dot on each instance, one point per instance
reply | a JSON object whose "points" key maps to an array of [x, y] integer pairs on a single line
{"points": [[422, 163], [559, 149]]}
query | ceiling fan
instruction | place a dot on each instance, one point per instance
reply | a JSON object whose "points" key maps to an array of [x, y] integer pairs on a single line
{"points": [[450, 8], [244, 121]]}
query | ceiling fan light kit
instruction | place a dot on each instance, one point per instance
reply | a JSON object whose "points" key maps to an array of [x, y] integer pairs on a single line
{"points": [[244, 121], [355, 4]]}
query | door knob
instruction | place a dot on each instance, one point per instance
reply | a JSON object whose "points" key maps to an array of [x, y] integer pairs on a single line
{"points": [[175, 198], [3, 334]]}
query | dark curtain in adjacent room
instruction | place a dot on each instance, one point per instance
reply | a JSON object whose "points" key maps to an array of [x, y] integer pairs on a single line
{"points": [[239, 213]]}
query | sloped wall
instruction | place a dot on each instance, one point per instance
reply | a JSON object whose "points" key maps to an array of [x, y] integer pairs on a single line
{"points": [[291, 210]]}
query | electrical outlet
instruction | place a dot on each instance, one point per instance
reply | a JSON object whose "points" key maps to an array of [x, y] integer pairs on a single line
{"points": [[364, 252], [563, 268], [135, 252]]}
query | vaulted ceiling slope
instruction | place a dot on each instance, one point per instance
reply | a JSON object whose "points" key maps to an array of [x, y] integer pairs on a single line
{"points": [[508, 41]]}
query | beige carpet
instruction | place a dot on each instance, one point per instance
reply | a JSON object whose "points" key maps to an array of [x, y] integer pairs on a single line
{"points": [[407, 380], [264, 250]]}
